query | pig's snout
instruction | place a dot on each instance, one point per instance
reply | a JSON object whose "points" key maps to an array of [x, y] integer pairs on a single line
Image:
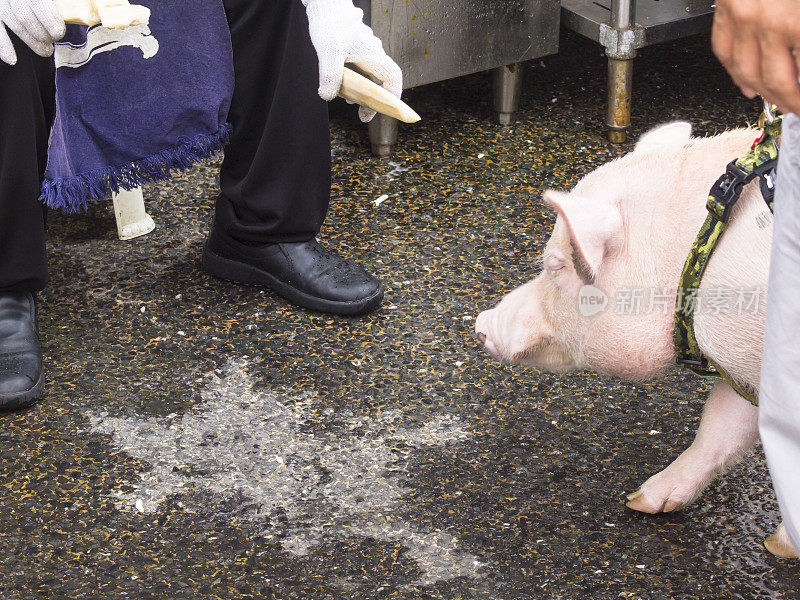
{"points": [[483, 331]]}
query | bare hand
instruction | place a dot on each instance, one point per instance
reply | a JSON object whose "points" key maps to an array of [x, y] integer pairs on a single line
{"points": [[756, 41]]}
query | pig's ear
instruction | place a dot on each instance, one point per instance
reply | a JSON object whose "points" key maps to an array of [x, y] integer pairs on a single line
{"points": [[672, 133], [594, 226]]}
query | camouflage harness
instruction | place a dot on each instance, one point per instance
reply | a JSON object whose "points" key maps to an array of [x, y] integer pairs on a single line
{"points": [[760, 162]]}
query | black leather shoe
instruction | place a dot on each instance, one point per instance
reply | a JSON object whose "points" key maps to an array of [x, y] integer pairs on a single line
{"points": [[21, 371], [304, 273]]}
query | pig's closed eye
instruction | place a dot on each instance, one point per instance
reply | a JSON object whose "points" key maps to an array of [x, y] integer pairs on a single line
{"points": [[553, 264]]}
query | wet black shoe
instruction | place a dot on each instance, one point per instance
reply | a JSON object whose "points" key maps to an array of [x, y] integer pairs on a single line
{"points": [[21, 372], [304, 273]]}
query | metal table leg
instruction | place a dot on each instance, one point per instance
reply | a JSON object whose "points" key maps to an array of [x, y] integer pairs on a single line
{"points": [[623, 26], [618, 115], [620, 71], [382, 134], [507, 86]]}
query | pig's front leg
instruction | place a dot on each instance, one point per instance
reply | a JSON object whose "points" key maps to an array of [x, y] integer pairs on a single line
{"points": [[728, 429]]}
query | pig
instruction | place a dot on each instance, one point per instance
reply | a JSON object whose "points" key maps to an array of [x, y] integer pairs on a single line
{"points": [[624, 232]]}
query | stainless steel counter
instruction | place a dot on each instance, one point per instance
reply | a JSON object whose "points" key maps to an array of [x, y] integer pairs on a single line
{"points": [[433, 40], [624, 26]]}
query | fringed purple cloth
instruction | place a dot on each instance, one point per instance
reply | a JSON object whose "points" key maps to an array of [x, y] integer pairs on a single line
{"points": [[134, 105]]}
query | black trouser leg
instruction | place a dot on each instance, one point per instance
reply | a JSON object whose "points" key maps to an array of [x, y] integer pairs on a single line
{"points": [[27, 105], [275, 179]]}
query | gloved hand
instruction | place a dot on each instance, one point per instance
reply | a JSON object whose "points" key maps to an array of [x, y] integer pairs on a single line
{"points": [[34, 21], [340, 36]]}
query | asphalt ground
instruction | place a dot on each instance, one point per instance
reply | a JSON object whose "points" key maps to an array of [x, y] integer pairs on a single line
{"points": [[201, 439]]}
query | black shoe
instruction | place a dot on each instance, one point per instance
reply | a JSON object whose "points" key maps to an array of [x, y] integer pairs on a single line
{"points": [[21, 371], [304, 273]]}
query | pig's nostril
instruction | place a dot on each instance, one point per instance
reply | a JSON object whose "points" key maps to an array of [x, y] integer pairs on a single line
{"points": [[481, 337]]}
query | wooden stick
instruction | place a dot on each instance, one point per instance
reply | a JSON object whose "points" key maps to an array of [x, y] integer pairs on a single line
{"points": [[361, 90], [113, 14]]}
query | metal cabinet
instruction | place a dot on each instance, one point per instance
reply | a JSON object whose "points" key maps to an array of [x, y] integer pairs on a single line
{"points": [[433, 40]]}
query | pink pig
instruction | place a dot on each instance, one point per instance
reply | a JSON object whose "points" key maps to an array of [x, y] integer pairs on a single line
{"points": [[606, 294]]}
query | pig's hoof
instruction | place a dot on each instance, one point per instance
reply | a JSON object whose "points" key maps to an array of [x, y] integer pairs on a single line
{"points": [[779, 544], [638, 500], [661, 493]]}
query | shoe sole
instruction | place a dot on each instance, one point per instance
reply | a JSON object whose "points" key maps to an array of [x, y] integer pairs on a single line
{"points": [[23, 399], [231, 270]]}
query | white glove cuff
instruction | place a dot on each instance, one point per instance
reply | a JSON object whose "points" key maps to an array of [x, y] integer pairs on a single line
{"points": [[329, 3], [339, 11]]}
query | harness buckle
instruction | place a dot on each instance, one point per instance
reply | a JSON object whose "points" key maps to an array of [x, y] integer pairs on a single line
{"points": [[767, 174], [700, 363], [697, 366], [726, 191]]}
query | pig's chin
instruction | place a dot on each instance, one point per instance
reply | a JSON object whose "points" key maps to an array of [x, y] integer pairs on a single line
{"points": [[633, 368], [547, 356]]}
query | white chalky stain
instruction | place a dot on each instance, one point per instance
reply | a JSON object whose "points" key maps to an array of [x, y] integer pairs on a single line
{"points": [[100, 39], [397, 170], [253, 441]]}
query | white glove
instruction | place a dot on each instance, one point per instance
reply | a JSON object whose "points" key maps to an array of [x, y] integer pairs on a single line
{"points": [[340, 36], [34, 21]]}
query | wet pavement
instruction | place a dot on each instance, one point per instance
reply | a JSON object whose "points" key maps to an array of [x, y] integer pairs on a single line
{"points": [[207, 440]]}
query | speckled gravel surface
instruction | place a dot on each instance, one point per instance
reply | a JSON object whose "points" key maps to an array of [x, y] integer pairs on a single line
{"points": [[205, 440]]}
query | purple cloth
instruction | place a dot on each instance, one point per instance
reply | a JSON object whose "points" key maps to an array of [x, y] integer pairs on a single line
{"points": [[133, 105]]}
